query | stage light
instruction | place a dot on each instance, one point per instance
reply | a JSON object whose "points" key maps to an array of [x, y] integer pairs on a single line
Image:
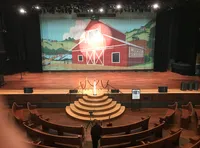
{"points": [[37, 7], [91, 10], [156, 6], [101, 10], [22, 10], [118, 6]]}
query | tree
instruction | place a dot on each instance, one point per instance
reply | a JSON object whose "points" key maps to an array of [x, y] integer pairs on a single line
{"points": [[151, 41]]}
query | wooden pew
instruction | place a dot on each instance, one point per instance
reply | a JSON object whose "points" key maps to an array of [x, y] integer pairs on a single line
{"points": [[46, 124], [194, 143], [126, 129], [133, 138], [169, 116], [33, 112], [186, 114], [61, 129], [170, 141], [37, 145], [197, 113], [54, 140], [18, 113]]}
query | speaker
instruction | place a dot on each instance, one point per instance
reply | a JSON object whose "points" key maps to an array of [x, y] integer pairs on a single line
{"points": [[162, 88], [184, 86], [196, 85], [190, 86], [71, 91], [28, 90], [183, 68], [114, 90]]}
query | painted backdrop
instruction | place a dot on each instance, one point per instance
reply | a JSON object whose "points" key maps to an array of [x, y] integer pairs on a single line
{"points": [[98, 44]]}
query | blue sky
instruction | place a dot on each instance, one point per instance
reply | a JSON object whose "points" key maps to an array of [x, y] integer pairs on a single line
{"points": [[55, 28]]}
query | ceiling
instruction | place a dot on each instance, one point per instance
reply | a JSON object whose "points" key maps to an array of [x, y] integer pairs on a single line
{"points": [[85, 4]]}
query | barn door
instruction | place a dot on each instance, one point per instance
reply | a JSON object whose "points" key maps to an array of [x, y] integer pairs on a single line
{"points": [[95, 57]]}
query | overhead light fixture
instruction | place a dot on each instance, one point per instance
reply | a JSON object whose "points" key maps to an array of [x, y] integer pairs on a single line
{"points": [[101, 10], [91, 10], [118, 6], [156, 6], [22, 10], [37, 7]]}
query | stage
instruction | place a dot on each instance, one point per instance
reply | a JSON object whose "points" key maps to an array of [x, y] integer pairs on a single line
{"points": [[51, 89], [117, 79]]}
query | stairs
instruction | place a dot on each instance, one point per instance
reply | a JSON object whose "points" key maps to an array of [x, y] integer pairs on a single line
{"points": [[102, 108]]}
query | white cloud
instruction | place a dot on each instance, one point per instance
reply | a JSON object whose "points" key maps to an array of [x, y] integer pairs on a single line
{"points": [[76, 31]]}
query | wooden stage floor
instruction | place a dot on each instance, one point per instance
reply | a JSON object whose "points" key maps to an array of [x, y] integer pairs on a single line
{"points": [[51, 89], [60, 82], [121, 80]]}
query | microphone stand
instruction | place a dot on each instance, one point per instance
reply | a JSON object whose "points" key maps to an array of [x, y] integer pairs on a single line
{"points": [[109, 124]]}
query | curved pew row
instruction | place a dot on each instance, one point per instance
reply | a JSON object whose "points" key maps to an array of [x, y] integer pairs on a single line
{"points": [[126, 129], [194, 143], [54, 140], [46, 124], [133, 138], [168, 117], [197, 114], [18, 113], [170, 141], [186, 115], [37, 145]]}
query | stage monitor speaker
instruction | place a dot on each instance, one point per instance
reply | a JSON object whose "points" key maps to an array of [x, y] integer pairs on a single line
{"points": [[196, 85], [190, 86], [184, 86], [71, 91], [114, 90], [182, 68], [162, 89], [28, 90]]}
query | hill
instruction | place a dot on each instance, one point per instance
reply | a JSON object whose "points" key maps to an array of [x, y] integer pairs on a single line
{"points": [[140, 34], [57, 47]]}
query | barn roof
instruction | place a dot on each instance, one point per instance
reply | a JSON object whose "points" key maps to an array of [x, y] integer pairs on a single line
{"points": [[124, 42], [93, 22]]}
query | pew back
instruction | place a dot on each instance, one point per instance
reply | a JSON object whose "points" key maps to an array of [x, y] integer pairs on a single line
{"points": [[133, 137], [49, 139], [126, 129], [79, 130]]}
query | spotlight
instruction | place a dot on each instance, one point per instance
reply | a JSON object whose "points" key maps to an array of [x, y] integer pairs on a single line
{"points": [[22, 10], [101, 10], [37, 7], [156, 6], [90, 10], [118, 6]]}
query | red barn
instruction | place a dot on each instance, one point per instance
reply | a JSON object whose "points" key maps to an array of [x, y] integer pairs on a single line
{"points": [[104, 45]]}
